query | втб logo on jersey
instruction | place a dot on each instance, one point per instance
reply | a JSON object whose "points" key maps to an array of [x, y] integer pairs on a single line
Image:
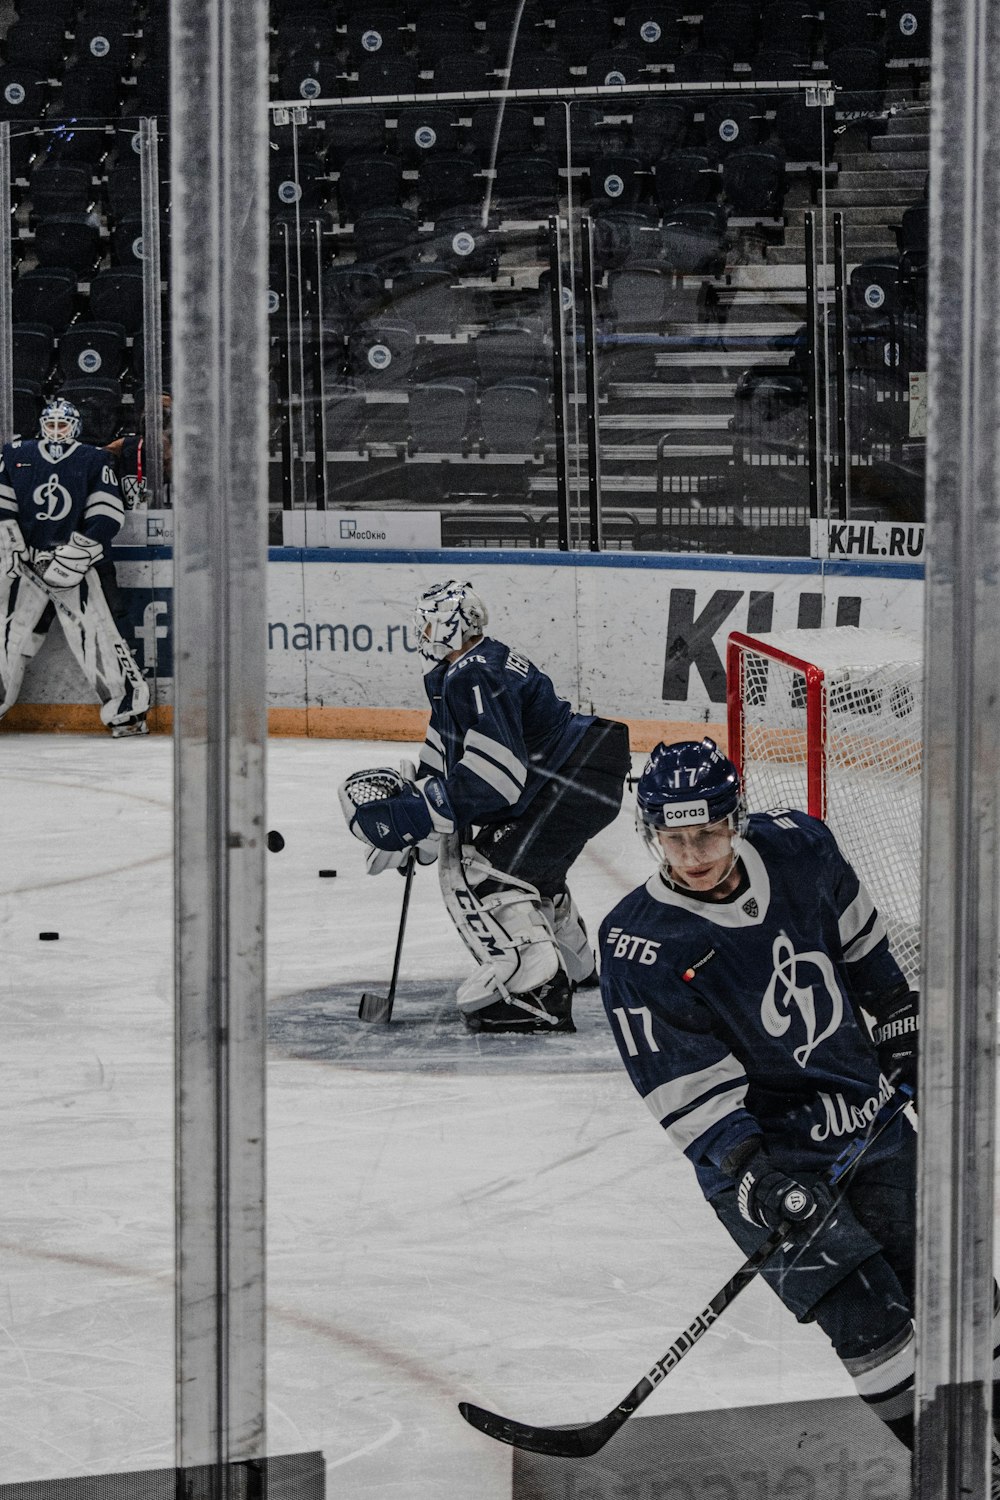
{"points": [[624, 945], [52, 500], [788, 987]]}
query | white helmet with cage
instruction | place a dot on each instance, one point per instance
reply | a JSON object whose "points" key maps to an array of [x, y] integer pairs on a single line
{"points": [[59, 422], [447, 615]]}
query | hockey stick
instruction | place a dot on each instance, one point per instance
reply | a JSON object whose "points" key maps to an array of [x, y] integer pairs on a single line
{"points": [[582, 1442], [379, 1007]]}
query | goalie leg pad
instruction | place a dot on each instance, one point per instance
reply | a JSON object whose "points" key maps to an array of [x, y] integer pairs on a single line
{"points": [[571, 937], [21, 611], [501, 921]]}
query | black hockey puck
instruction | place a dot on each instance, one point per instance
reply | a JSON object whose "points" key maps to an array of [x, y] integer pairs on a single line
{"points": [[48, 937], [327, 874], [275, 842]]}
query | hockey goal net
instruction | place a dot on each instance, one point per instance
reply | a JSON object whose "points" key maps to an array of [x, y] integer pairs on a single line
{"points": [[830, 721]]}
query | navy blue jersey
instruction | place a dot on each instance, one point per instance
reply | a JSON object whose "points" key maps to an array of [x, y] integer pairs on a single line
{"points": [[738, 1018], [498, 731], [52, 490]]}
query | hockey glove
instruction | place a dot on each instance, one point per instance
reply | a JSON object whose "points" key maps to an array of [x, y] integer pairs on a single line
{"points": [[769, 1197], [392, 816], [12, 548], [71, 561], [896, 1036]]}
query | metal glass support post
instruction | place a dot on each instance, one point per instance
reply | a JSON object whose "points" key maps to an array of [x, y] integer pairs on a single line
{"points": [[6, 296], [152, 320], [842, 465], [813, 371], [219, 278], [592, 389], [558, 378], [961, 871]]}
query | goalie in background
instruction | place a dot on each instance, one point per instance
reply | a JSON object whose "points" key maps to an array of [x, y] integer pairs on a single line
{"points": [[510, 787], [762, 1018], [60, 506]]}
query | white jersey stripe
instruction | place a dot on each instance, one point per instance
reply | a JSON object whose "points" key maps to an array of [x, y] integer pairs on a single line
{"points": [[690, 1090], [504, 757], [431, 757], [864, 945], [104, 503], [856, 917], [491, 774]]}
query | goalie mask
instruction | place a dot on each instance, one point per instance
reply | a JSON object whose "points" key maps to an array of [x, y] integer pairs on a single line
{"points": [[59, 422], [690, 795], [447, 615]]}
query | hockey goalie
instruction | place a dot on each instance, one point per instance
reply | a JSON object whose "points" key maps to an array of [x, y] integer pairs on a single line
{"points": [[60, 506]]}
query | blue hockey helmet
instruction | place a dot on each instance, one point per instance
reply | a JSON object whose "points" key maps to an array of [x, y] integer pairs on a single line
{"points": [[59, 422], [447, 615], [686, 785]]}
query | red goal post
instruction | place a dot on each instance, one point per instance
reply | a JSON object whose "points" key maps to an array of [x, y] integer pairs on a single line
{"points": [[830, 721]]}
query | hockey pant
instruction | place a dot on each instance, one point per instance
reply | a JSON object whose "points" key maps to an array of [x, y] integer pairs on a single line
{"points": [[855, 1278], [27, 607]]}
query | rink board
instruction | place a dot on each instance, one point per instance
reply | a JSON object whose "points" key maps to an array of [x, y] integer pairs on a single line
{"points": [[803, 1450], [639, 637]]}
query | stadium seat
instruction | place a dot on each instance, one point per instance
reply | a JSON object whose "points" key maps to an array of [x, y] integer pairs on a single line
{"points": [[369, 182], [447, 31], [650, 31], [380, 353], [83, 141], [687, 175], [513, 414], [753, 182], [510, 350], [24, 93], [731, 26], [298, 187], [582, 29], [424, 132], [380, 75], [614, 67], [35, 43], [344, 418], [353, 133], [116, 296], [912, 236], [45, 295], [539, 69], [72, 240], [375, 31], [908, 28], [448, 181], [87, 350], [693, 238], [34, 351], [90, 90], [731, 123], [27, 409], [801, 131], [779, 65], [527, 187], [638, 297], [424, 296], [860, 73], [657, 127], [622, 236], [127, 244], [791, 24], [101, 40], [465, 74], [60, 187], [517, 130], [703, 66], [771, 415], [353, 290], [463, 245], [850, 23], [99, 403], [310, 75], [616, 181], [384, 236], [440, 415]]}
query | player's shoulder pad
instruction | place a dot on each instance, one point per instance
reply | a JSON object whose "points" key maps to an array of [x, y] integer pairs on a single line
{"points": [[485, 659], [787, 825]]}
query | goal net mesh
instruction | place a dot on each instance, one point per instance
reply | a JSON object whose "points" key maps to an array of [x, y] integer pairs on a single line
{"points": [[848, 751]]}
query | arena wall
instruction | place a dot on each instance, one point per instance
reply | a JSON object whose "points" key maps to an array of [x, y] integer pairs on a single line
{"points": [[634, 636]]}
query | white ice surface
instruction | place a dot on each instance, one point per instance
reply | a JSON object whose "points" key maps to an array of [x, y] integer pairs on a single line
{"points": [[527, 1240]]}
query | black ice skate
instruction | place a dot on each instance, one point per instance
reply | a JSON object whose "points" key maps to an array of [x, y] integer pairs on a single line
{"points": [[130, 728], [550, 1010]]}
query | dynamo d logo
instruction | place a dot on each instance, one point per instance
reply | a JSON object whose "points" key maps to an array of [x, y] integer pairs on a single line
{"points": [[650, 32], [874, 295], [908, 23], [89, 361], [806, 984], [309, 88], [15, 93], [289, 191], [371, 40], [614, 186], [51, 500], [728, 131]]}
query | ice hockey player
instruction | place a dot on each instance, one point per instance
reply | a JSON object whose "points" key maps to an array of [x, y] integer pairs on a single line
{"points": [[739, 982], [60, 506], [510, 787]]}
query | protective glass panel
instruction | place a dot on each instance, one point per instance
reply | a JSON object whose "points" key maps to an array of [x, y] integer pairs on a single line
{"points": [[87, 1056]]}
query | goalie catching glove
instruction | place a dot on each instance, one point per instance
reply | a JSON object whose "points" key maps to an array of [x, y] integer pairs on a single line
{"points": [[71, 561], [393, 817]]}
